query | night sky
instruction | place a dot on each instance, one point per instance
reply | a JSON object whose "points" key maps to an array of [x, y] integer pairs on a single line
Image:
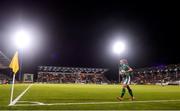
{"points": [[80, 33]]}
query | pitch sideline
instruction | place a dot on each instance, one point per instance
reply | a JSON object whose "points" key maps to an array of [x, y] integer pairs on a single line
{"points": [[91, 103]]}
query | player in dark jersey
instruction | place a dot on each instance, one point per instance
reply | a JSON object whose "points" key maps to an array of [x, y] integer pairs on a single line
{"points": [[125, 71]]}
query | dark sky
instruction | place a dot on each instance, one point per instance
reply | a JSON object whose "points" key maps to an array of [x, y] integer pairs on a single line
{"points": [[80, 33]]}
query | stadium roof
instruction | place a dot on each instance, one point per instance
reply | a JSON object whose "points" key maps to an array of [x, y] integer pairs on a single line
{"points": [[70, 69], [4, 61]]}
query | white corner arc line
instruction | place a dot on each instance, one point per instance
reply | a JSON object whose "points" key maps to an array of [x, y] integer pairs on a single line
{"points": [[15, 100], [32, 102]]}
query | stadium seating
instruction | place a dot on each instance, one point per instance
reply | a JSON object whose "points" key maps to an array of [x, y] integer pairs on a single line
{"points": [[159, 74], [50, 74], [4, 62]]}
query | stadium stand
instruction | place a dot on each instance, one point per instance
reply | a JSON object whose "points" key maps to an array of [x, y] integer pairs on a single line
{"points": [[169, 74], [4, 79], [51, 74], [4, 62]]}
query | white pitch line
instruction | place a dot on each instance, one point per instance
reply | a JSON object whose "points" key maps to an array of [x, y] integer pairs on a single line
{"points": [[15, 100], [91, 103], [32, 102]]}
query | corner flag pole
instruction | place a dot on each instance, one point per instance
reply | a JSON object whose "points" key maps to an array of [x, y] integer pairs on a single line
{"points": [[12, 88], [14, 65]]}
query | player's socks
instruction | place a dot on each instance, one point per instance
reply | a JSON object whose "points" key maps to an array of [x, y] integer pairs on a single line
{"points": [[130, 91], [123, 92]]}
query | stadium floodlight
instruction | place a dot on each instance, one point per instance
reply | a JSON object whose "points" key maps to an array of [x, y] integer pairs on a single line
{"points": [[22, 39], [118, 47]]}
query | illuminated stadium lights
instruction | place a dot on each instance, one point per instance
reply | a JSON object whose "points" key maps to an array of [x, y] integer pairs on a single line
{"points": [[22, 39], [118, 47]]}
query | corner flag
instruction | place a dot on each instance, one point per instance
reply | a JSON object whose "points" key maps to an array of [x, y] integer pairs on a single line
{"points": [[15, 63], [15, 67]]}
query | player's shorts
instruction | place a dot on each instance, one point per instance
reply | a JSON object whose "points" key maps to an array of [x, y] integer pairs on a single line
{"points": [[127, 80]]}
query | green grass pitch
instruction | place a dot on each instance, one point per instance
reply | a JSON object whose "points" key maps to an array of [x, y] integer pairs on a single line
{"points": [[54, 95]]}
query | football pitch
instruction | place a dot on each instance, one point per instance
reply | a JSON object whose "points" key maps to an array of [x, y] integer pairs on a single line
{"points": [[89, 97]]}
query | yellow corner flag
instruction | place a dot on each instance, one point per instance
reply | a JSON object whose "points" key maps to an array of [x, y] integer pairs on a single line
{"points": [[14, 63]]}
